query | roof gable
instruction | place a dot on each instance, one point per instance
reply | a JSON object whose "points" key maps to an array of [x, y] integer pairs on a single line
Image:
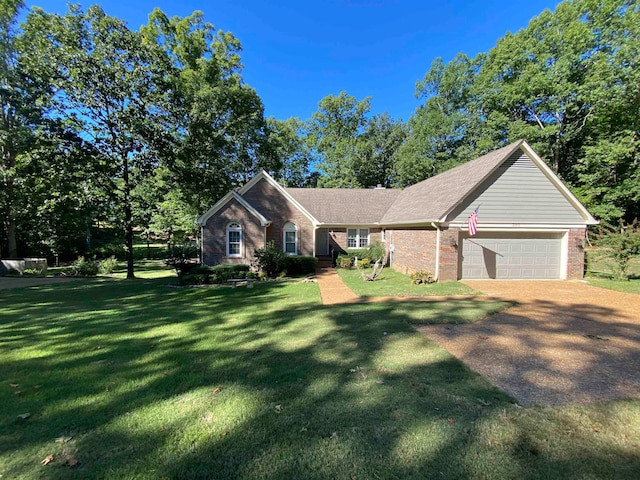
{"points": [[232, 195], [269, 179], [518, 191], [431, 199]]}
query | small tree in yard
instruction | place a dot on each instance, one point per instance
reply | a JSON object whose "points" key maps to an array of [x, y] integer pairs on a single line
{"points": [[620, 245]]}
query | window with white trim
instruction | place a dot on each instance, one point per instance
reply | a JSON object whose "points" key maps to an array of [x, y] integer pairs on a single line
{"points": [[357, 237], [290, 239], [234, 240]]}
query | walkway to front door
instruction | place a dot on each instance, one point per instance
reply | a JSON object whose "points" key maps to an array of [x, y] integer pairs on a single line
{"points": [[332, 288]]}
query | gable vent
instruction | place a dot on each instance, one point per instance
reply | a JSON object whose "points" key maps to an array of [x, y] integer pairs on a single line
{"points": [[519, 162]]}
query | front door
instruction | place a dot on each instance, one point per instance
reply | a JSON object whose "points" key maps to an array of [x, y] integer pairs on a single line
{"points": [[322, 241]]}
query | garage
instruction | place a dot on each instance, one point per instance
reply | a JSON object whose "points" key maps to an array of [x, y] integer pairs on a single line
{"points": [[511, 255]]}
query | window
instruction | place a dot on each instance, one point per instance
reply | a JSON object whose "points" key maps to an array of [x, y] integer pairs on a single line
{"points": [[290, 239], [357, 237], [234, 240]]}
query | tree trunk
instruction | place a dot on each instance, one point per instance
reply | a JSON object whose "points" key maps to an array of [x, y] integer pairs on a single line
{"points": [[11, 234], [10, 220], [128, 220]]}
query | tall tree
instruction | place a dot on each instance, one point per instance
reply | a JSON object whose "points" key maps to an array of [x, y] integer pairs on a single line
{"points": [[376, 149], [219, 130], [440, 129], [568, 83], [333, 133], [287, 143], [109, 82], [20, 117]]}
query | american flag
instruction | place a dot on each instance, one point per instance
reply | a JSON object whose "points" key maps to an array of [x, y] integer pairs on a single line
{"points": [[473, 222]]}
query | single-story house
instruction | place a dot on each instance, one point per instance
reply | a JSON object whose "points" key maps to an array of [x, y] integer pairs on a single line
{"points": [[529, 225]]}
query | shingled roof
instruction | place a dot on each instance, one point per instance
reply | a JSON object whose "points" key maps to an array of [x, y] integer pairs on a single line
{"points": [[345, 206], [427, 201], [433, 198]]}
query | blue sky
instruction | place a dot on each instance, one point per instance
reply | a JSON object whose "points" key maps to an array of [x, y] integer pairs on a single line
{"points": [[297, 52]]}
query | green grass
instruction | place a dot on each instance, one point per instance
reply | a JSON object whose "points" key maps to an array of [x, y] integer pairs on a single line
{"points": [[629, 286], [137, 380], [601, 273], [394, 284]]}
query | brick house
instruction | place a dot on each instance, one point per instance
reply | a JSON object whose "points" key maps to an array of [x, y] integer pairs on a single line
{"points": [[529, 224]]}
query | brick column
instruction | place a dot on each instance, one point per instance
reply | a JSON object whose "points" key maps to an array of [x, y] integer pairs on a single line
{"points": [[449, 257]]}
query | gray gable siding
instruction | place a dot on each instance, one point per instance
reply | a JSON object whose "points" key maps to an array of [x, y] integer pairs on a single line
{"points": [[517, 192]]}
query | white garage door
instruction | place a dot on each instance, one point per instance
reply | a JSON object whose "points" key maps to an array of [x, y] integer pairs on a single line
{"points": [[511, 255]]}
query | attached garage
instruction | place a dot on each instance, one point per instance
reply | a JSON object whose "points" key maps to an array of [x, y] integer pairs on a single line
{"points": [[511, 255]]}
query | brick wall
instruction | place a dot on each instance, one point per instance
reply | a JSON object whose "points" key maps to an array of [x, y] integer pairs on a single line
{"points": [[214, 248], [414, 249], [575, 254], [449, 254], [270, 202]]}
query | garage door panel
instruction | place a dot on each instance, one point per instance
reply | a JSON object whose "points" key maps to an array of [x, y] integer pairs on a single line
{"points": [[511, 255]]}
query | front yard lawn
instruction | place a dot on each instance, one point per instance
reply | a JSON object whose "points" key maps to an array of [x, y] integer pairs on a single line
{"points": [[115, 379], [394, 284]]}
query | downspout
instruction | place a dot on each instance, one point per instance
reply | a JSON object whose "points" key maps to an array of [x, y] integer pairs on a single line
{"points": [[437, 272], [315, 234]]}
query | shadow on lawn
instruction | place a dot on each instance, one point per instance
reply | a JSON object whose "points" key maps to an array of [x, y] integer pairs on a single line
{"points": [[307, 391]]}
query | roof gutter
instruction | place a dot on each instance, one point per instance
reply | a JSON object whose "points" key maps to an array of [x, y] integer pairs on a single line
{"points": [[438, 231]]}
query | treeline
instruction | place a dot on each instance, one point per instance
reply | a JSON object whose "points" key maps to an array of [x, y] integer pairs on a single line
{"points": [[146, 129]]}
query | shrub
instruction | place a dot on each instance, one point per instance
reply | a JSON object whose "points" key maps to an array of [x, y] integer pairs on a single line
{"points": [[344, 261], [270, 260], [218, 274], [84, 267], [421, 277], [31, 272], [300, 265], [619, 244], [108, 265], [373, 252], [364, 263], [195, 279], [109, 250]]}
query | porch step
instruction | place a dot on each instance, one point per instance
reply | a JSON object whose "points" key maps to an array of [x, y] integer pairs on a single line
{"points": [[324, 262]]}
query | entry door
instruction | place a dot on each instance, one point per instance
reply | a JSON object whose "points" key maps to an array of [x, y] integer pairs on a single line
{"points": [[322, 241]]}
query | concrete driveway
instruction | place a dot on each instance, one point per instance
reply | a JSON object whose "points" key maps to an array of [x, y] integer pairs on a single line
{"points": [[565, 342]]}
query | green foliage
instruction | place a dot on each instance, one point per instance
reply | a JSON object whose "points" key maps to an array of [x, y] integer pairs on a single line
{"points": [[31, 272], [568, 83], [85, 267], [364, 263], [270, 260], [218, 274], [344, 261], [422, 277], [373, 252], [354, 150], [620, 244], [300, 265], [107, 266], [219, 134], [183, 258]]}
